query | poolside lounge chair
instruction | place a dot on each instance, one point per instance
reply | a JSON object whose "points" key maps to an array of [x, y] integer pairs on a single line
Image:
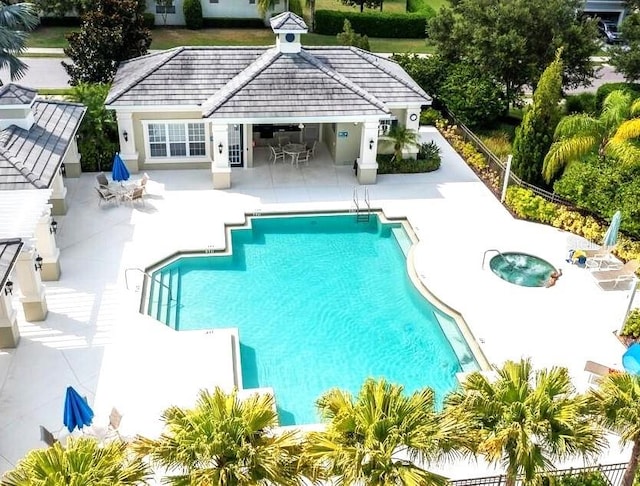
{"points": [[601, 257], [624, 274], [46, 436]]}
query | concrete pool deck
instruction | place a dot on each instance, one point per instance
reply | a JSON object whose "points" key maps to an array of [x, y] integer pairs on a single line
{"points": [[95, 339]]}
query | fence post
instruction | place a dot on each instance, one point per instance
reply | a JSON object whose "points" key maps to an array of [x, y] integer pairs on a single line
{"points": [[505, 182]]}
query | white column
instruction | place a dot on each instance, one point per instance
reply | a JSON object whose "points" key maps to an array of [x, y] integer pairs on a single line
{"points": [[127, 138], [9, 333], [412, 122], [47, 249], [367, 164], [33, 298], [220, 170], [71, 160], [58, 199]]}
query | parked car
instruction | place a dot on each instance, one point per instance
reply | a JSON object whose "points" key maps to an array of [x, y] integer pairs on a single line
{"points": [[609, 31]]}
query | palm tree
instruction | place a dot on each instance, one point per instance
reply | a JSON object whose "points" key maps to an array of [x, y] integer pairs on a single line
{"points": [[375, 438], [224, 441], [15, 21], [609, 135], [83, 461], [402, 138], [618, 400], [525, 420]]}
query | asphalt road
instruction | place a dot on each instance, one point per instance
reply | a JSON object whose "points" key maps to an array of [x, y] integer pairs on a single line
{"points": [[47, 72]]}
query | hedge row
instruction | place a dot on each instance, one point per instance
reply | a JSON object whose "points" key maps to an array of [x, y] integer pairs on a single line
{"points": [[373, 24], [405, 166]]}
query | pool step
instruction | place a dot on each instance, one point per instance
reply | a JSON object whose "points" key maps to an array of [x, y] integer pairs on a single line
{"points": [[459, 344], [403, 239]]}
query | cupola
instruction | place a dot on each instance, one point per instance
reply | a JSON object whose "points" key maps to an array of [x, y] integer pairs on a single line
{"points": [[16, 104], [288, 27]]}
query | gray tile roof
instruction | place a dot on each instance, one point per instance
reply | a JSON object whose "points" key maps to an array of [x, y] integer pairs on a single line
{"points": [[29, 159], [9, 250], [317, 81], [289, 22], [14, 94]]}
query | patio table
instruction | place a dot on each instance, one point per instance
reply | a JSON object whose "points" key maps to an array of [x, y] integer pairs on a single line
{"points": [[293, 149]]}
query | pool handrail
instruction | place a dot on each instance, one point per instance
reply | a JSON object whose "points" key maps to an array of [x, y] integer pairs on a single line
{"points": [[484, 256], [151, 277]]}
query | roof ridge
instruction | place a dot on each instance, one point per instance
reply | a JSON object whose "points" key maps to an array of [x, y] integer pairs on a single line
{"points": [[239, 80], [342, 79], [363, 54], [52, 101], [163, 60]]}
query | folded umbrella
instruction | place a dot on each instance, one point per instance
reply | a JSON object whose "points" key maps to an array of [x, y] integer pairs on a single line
{"points": [[119, 171], [77, 412], [631, 359]]}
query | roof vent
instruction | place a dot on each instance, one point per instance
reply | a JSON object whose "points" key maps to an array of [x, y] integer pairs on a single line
{"points": [[288, 27], [15, 106]]}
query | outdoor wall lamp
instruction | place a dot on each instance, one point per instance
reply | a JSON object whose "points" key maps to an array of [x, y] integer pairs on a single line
{"points": [[8, 287], [371, 142], [63, 170], [125, 135], [220, 147], [38, 264], [53, 229]]}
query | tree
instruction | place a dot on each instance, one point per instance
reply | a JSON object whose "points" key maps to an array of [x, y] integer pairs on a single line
{"points": [[60, 8], [15, 21], [513, 41], [193, 14], [535, 135], [402, 138], [525, 420], [626, 58], [618, 401], [97, 136], [82, 461], [348, 37], [363, 3], [224, 441], [112, 32], [375, 438], [609, 135]]}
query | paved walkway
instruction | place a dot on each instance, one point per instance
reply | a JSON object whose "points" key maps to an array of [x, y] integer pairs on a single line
{"points": [[96, 340]]}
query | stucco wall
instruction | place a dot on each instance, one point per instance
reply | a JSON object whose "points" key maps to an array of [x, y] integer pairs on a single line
{"points": [[347, 147], [237, 9], [329, 137]]}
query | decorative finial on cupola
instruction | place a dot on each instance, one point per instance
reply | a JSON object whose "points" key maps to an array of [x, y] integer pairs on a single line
{"points": [[288, 27]]}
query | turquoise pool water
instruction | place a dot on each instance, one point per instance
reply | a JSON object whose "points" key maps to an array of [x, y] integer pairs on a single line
{"points": [[319, 302]]}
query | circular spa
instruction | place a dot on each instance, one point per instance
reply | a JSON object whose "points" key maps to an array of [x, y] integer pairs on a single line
{"points": [[521, 269]]}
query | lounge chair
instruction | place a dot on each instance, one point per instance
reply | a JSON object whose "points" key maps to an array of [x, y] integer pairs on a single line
{"points": [[102, 180], [623, 274], [105, 195], [601, 257]]}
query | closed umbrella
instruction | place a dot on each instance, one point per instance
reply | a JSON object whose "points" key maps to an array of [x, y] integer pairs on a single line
{"points": [[611, 236], [119, 171], [77, 412], [631, 359]]}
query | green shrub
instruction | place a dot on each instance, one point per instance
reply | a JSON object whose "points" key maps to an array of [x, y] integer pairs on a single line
{"points": [[525, 204], [192, 14], [405, 166], [593, 478], [420, 6], [232, 23], [498, 141], [348, 37], [149, 20], [429, 116], [606, 89], [429, 151], [632, 325], [580, 103], [373, 24], [296, 7]]}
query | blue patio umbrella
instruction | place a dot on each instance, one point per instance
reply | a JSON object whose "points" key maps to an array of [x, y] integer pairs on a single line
{"points": [[119, 170], [77, 412], [631, 359], [611, 236]]}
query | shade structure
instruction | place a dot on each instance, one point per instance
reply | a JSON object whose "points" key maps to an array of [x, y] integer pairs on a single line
{"points": [[119, 171], [77, 412], [611, 236], [631, 359]]}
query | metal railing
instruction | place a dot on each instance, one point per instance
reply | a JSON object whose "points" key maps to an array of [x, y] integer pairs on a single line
{"points": [[151, 277], [613, 473], [498, 165]]}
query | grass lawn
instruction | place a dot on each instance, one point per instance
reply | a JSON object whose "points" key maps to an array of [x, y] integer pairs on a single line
{"points": [[164, 38]]}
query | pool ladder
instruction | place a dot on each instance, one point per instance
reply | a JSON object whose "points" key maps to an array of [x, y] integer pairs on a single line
{"points": [[151, 277], [362, 213], [487, 251]]}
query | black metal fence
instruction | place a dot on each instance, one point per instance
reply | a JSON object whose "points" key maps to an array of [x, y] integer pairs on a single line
{"points": [[498, 165], [613, 473]]}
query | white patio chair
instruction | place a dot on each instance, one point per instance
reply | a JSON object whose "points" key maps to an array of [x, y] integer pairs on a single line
{"points": [[46, 436], [105, 195], [282, 141], [137, 194], [312, 150], [302, 157], [276, 153]]}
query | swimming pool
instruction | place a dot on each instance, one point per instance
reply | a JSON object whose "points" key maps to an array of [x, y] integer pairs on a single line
{"points": [[320, 301]]}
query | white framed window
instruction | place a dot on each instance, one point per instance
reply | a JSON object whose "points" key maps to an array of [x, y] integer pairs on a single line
{"points": [[385, 126], [176, 139], [165, 7], [252, 2]]}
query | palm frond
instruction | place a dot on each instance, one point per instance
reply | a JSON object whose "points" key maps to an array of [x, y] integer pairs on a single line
{"points": [[624, 151], [578, 125], [615, 109], [565, 151], [627, 130]]}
